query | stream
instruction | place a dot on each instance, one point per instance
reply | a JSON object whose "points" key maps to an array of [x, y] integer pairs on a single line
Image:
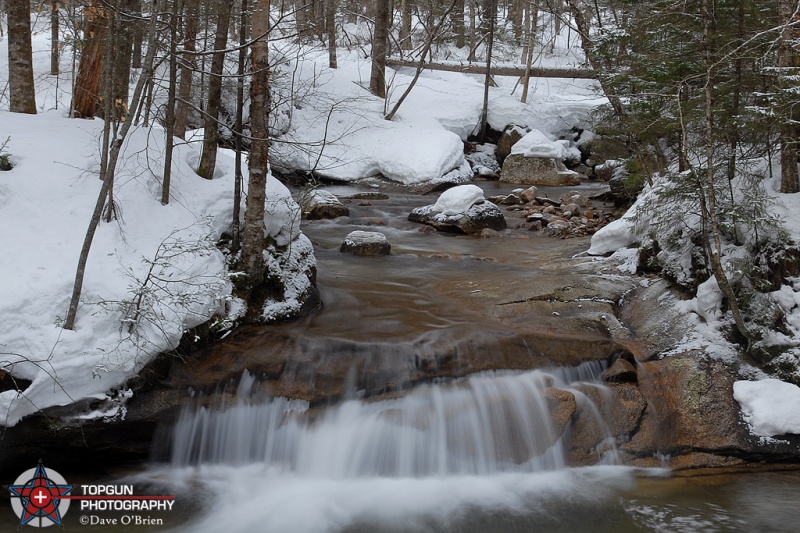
{"points": [[411, 411]]}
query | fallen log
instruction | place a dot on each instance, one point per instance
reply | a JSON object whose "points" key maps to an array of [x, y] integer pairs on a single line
{"points": [[499, 70]]}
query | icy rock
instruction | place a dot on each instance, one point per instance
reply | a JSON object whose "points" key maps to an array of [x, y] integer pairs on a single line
{"points": [[319, 204], [477, 217], [366, 243], [458, 200]]}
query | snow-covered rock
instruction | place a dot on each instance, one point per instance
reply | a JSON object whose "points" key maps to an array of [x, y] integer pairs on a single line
{"points": [[770, 406], [366, 243], [458, 200], [618, 234], [537, 144]]}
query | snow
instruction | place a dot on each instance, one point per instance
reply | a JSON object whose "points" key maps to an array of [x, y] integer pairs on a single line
{"points": [[771, 407], [618, 234], [537, 144], [708, 301], [46, 202], [458, 200]]}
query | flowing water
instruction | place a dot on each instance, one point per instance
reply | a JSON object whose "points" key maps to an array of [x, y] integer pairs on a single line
{"points": [[469, 452]]}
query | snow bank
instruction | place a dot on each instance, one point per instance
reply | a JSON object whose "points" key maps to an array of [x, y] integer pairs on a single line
{"points": [[457, 200], [125, 317], [770, 406]]}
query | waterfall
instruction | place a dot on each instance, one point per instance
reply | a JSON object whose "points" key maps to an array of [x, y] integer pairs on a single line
{"points": [[485, 424]]}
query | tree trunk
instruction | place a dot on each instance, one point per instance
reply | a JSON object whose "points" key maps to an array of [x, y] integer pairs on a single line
{"points": [[86, 94], [458, 24], [532, 19], [787, 63], [330, 23], [187, 65], [208, 159], [253, 239], [169, 118], [710, 211], [20, 58], [123, 52], [54, 38], [237, 185], [405, 24], [380, 37], [491, 13]]}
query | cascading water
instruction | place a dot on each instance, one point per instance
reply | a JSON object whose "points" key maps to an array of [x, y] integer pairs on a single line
{"points": [[485, 424]]}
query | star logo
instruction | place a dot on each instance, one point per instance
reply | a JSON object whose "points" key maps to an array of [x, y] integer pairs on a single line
{"points": [[37, 497]]}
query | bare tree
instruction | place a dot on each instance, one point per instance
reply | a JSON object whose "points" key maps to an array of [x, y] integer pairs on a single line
{"points": [[20, 58], [787, 59], [405, 24], [330, 23], [491, 14], [107, 172], [187, 62], [86, 93], [380, 38], [54, 38], [253, 240], [208, 159]]}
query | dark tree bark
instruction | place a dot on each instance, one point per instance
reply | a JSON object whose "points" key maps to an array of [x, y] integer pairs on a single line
{"points": [[123, 53], [54, 38], [237, 185], [787, 59], [253, 240], [208, 160], [187, 64], [330, 26], [20, 58], [458, 24], [86, 94], [405, 24], [169, 118], [491, 14], [380, 38]]}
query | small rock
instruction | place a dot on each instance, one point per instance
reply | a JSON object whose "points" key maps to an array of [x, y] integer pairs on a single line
{"points": [[364, 203], [368, 196], [536, 225], [366, 243], [549, 210], [529, 194], [489, 233], [573, 208]]}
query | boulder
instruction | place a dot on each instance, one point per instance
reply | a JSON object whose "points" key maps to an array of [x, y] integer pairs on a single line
{"points": [[511, 135], [319, 204], [540, 171], [366, 243], [474, 220]]}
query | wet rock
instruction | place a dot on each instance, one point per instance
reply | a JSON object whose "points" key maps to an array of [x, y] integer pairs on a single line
{"points": [[511, 135], [536, 225], [562, 407], [621, 371], [529, 194], [574, 209], [319, 204], [511, 199], [574, 197], [477, 217], [488, 233], [537, 171], [557, 228], [366, 243], [368, 196], [364, 203]]}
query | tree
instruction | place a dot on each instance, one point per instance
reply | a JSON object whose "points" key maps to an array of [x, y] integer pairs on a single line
{"points": [[20, 58], [253, 244], [208, 159], [187, 66], [54, 38], [380, 38], [107, 171], [86, 91], [491, 16], [787, 63]]}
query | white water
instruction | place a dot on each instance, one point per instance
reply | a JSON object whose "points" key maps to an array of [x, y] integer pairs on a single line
{"points": [[485, 424], [431, 460]]}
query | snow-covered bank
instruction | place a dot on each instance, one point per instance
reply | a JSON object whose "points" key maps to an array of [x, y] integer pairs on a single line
{"points": [[336, 127], [45, 205]]}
